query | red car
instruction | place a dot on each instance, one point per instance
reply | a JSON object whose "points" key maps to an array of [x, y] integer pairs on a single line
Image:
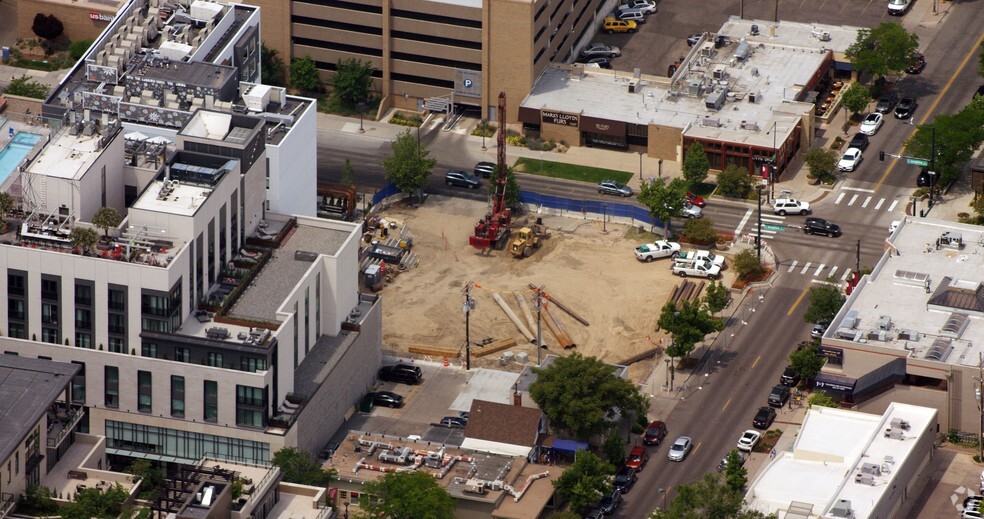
{"points": [[695, 200], [654, 433], [637, 458]]}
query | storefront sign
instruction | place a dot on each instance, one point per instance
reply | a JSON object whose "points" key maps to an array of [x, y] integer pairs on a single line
{"points": [[603, 126], [835, 383], [831, 353], [560, 118], [100, 17]]}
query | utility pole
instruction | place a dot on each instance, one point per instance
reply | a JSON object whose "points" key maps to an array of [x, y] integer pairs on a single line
{"points": [[538, 306], [758, 239], [857, 258], [467, 308], [980, 402]]}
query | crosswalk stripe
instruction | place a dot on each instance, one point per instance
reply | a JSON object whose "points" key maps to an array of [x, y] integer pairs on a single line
{"points": [[846, 274], [865, 203], [817, 273], [892, 207], [839, 198], [853, 199], [879, 204], [832, 270], [773, 218], [792, 265], [741, 225], [805, 267]]}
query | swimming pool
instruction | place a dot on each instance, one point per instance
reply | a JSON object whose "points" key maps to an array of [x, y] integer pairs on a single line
{"points": [[15, 151]]}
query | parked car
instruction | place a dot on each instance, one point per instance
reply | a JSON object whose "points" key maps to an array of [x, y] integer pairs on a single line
{"points": [[871, 124], [611, 187], [625, 478], [633, 15], [680, 448], [887, 102], [789, 377], [695, 200], [817, 331], [980, 91], [401, 373], [906, 107], [749, 439], [821, 226], [659, 249], [595, 513], [638, 457], [691, 211], [916, 64], [694, 38], [484, 169], [701, 255], [600, 49], [612, 25], [654, 433], [859, 141], [646, 6], [456, 177], [784, 206], [779, 395], [764, 418], [850, 160], [386, 399], [597, 61], [610, 502], [898, 7], [456, 422]]}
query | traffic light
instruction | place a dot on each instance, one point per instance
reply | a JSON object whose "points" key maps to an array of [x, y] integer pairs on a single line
{"points": [[881, 156]]}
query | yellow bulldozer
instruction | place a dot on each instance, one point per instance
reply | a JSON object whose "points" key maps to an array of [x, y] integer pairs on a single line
{"points": [[527, 240]]}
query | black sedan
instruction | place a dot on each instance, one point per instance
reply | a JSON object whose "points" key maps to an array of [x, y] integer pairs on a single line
{"points": [[386, 399], [917, 64], [906, 107], [860, 141], [764, 418], [597, 60]]}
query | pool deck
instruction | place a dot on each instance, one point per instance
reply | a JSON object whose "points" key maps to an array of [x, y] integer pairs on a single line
{"points": [[5, 137]]}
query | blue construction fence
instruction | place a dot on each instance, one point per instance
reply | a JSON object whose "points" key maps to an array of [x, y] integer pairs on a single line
{"points": [[387, 191], [599, 207]]}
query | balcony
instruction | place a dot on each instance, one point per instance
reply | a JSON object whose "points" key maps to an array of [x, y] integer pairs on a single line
{"points": [[62, 420], [7, 502]]}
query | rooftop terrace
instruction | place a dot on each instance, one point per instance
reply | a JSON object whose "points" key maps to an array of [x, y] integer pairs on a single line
{"points": [[27, 388]]}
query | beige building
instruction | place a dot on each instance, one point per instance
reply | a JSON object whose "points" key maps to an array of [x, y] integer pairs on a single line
{"points": [[83, 19]]}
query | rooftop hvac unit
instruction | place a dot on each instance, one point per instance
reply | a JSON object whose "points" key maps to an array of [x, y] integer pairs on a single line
{"points": [[710, 122], [908, 335], [715, 100], [851, 320], [696, 87], [753, 97], [865, 479], [900, 423], [842, 508], [750, 126], [755, 30], [871, 468], [475, 486], [821, 35], [720, 71], [741, 53], [884, 323], [634, 86]]}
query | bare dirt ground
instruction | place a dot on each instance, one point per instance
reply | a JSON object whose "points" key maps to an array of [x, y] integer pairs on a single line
{"points": [[587, 267]]}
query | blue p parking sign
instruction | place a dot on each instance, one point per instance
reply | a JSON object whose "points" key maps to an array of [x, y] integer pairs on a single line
{"points": [[467, 82]]}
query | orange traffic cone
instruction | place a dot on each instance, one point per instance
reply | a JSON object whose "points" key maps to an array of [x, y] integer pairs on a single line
{"points": [[445, 362]]}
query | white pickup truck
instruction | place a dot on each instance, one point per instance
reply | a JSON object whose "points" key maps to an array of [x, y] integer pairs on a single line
{"points": [[699, 268], [658, 249], [701, 255]]}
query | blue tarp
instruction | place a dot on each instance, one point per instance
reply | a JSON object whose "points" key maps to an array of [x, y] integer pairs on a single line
{"points": [[387, 191], [570, 446], [589, 206]]}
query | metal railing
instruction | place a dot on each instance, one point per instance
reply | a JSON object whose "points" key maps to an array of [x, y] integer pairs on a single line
{"points": [[7, 502], [74, 415]]}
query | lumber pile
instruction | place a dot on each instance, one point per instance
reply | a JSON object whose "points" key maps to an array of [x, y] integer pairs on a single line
{"points": [[493, 347], [687, 291]]}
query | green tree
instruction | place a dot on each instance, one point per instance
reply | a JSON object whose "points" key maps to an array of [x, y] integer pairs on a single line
{"points": [[78, 48], [734, 181], [708, 498], [695, 165], [83, 238], [856, 98], [807, 362], [48, 27], [585, 481], [271, 66], [735, 473], [352, 80], [700, 230], [27, 87], [39, 501], [820, 161], [105, 218], [825, 302], [408, 167], [687, 322], [821, 399], [347, 177], [151, 477], [980, 60], [747, 264], [407, 494], [582, 395], [512, 187], [883, 50], [663, 200], [957, 136], [300, 467], [6, 205], [716, 297], [614, 448], [97, 503], [304, 74]]}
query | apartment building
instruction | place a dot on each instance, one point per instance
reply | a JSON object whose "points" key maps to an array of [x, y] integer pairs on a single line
{"points": [[219, 318]]}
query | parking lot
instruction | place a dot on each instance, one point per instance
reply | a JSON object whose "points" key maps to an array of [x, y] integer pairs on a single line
{"points": [[661, 39]]}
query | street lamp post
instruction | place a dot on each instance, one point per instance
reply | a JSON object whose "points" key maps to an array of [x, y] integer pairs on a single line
{"points": [[758, 238], [362, 108], [660, 163], [484, 128], [346, 509], [467, 308], [640, 166]]}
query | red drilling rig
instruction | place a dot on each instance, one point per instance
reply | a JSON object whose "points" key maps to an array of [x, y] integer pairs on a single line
{"points": [[493, 230]]}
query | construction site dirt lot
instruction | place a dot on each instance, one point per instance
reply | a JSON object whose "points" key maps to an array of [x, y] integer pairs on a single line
{"points": [[589, 266]]}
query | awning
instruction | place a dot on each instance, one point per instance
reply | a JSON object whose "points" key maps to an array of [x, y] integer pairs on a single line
{"points": [[135, 136], [570, 446], [843, 65], [835, 383]]}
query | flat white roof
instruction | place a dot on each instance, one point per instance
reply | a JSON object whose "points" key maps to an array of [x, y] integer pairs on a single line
{"points": [[184, 200], [67, 156], [830, 449], [796, 34], [906, 287]]}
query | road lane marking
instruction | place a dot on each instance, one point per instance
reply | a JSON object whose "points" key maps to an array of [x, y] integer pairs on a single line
{"points": [[973, 52], [865, 203], [726, 405], [879, 204], [697, 448], [839, 198], [806, 267], [853, 198], [757, 359], [792, 265], [861, 189], [832, 270], [741, 224], [846, 273], [892, 207], [817, 273], [797, 302]]}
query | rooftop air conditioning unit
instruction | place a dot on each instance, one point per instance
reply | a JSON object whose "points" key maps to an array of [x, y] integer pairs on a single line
{"points": [[634, 86], [720, 72], [475, 486]]}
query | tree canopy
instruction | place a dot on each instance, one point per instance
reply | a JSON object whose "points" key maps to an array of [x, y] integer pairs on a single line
{"points": [[700, 230], [687, 322], [582, 395], [663, 200], [825, 302], [807, 362], [821, 399], [48, 27], [408, 167], [883, 50], [512, 187], [957, 136], [735, 473], [399, 495], [585, 481], [695, 164], [708, 498], [27, 87], [300, 467], [105, 218], [271, 66], [352, 80], [856, 98], [820, 161], [716, 297], [734, 181], [748, 264], [304, 74], [83, 238], [347, 175]]}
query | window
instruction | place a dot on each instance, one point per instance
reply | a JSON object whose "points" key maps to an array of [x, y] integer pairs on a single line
{"points": [[83, 340], [49, 313], [17, 331], [50, 335], [49, 289], [15, 309], [117, 299], [182, 354], [154, 325], [250, 406], [83, 319], [144, 391], [215, 359], [15, 284], [252, 364], [112, 386], [154, 305], [177, 396], [148, 349], [211, 401], [183, 444], [78, 384], [117, 345], [117, 324]]}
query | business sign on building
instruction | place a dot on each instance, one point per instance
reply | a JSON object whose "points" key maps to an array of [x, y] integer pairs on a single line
{"points": [[603, 126], [100, 17], [467, 83], [560, 118]]}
